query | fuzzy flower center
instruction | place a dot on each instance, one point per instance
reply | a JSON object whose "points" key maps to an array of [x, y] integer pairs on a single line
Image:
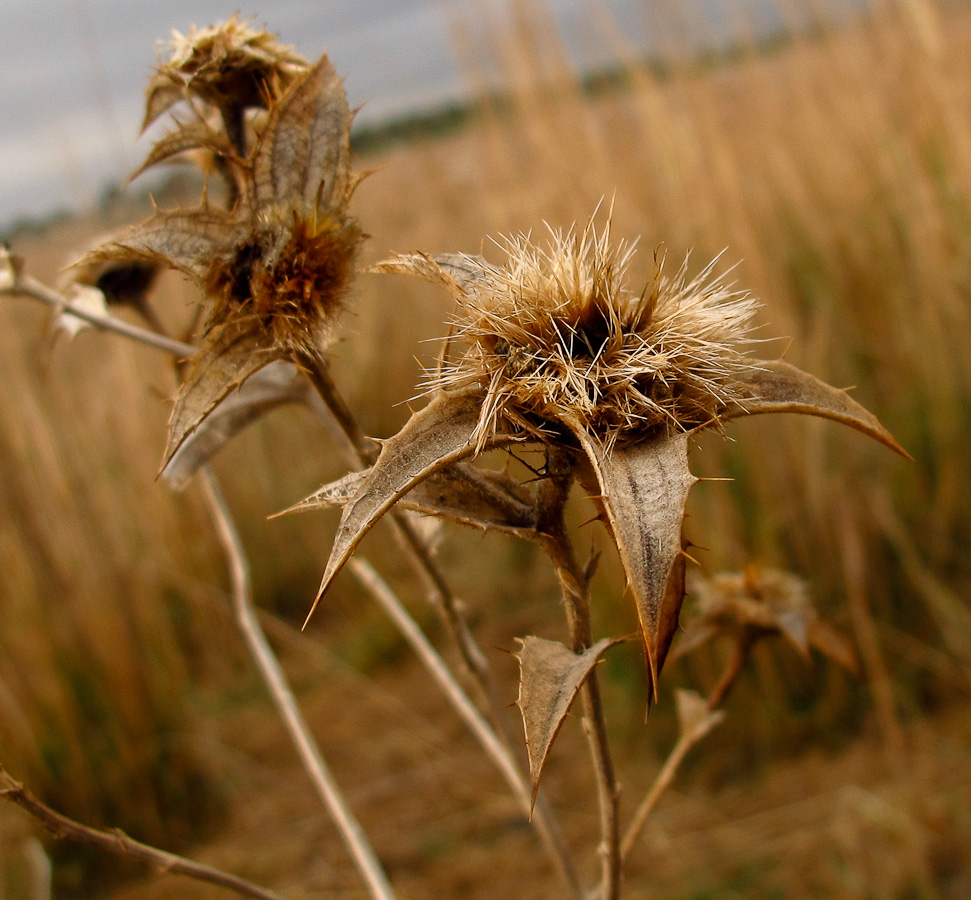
{"points": [[557, 335], [289, 280]]}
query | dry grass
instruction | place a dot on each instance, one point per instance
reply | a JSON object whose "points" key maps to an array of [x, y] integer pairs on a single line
{"points": [[838, 169]]}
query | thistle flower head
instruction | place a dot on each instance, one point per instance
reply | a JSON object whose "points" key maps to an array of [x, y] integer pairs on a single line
{"points": [[229, 62], [285, 278], [557, 333]]}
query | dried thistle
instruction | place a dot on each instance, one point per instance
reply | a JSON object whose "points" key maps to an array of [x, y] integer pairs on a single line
{"points": [[562, 354], [274, 271], [229, 65], [759, 603]]}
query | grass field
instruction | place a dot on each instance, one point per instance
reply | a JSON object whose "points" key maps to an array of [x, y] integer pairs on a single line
{"points": [[835, 167]]}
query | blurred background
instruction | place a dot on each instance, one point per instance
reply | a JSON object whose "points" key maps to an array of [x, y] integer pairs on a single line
{"points": [[826, 147]]}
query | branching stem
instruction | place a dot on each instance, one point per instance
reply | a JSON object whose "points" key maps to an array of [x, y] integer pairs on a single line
{"points": [[688, 739], [119, 843]]}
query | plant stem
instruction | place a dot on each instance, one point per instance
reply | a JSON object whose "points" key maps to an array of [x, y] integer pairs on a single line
{"points": [[483, 731], [273, 676], [687, 740], [575, 590], [28, 286], [117, 842], [361, 452]]}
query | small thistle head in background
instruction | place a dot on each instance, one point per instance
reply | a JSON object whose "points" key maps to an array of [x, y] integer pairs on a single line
{"points": [[561, 354], [760, 603]]}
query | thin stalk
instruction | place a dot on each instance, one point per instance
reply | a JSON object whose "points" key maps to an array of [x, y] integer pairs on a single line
{"points": [[362, 452], [28, 286], [273, 676], [117, 842], [497, 750], [575, 590], [680, 750]]}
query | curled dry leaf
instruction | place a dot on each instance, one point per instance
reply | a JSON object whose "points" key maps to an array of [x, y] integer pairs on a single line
{"points": [[550, 676], [775, 386], [462, 493], [275, 385], [644, 489], [438, 435]]}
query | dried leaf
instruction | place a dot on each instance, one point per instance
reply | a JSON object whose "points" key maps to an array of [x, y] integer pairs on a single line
{"points": [[184, 239], [189, 136], [433, 438], [277, 384], [162, 94], [455, 272], [695, 719], [227, 357], [87, 299], [550, 675], [337, 493], [644, 488], [305, 148], [776, 386], [463, 493]]}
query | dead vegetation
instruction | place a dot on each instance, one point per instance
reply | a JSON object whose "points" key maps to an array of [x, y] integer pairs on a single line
{"points": [[838, 168]]}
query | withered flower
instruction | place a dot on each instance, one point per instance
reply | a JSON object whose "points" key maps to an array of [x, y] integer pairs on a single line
{"points": [[274, 270], [229, 65], [560, 353], [759, 603]]}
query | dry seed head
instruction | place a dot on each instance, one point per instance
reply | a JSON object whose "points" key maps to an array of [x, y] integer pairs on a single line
{"points": [[289, 276], [557, 334], [232, 62]]}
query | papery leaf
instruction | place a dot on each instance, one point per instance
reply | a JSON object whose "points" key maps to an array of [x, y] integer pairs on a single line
{"points": [[228, 356], [276, 384], [86, 298], [695, 719], [438, 435], [162, 93], [184, 239], [550, 676], [644, 488], [189, 136], [462, 493], [455, 272], [306, 144], [337, 493], [776, 386]]}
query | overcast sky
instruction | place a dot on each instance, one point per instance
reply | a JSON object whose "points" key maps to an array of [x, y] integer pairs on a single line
{"points": [[72, 72]]}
